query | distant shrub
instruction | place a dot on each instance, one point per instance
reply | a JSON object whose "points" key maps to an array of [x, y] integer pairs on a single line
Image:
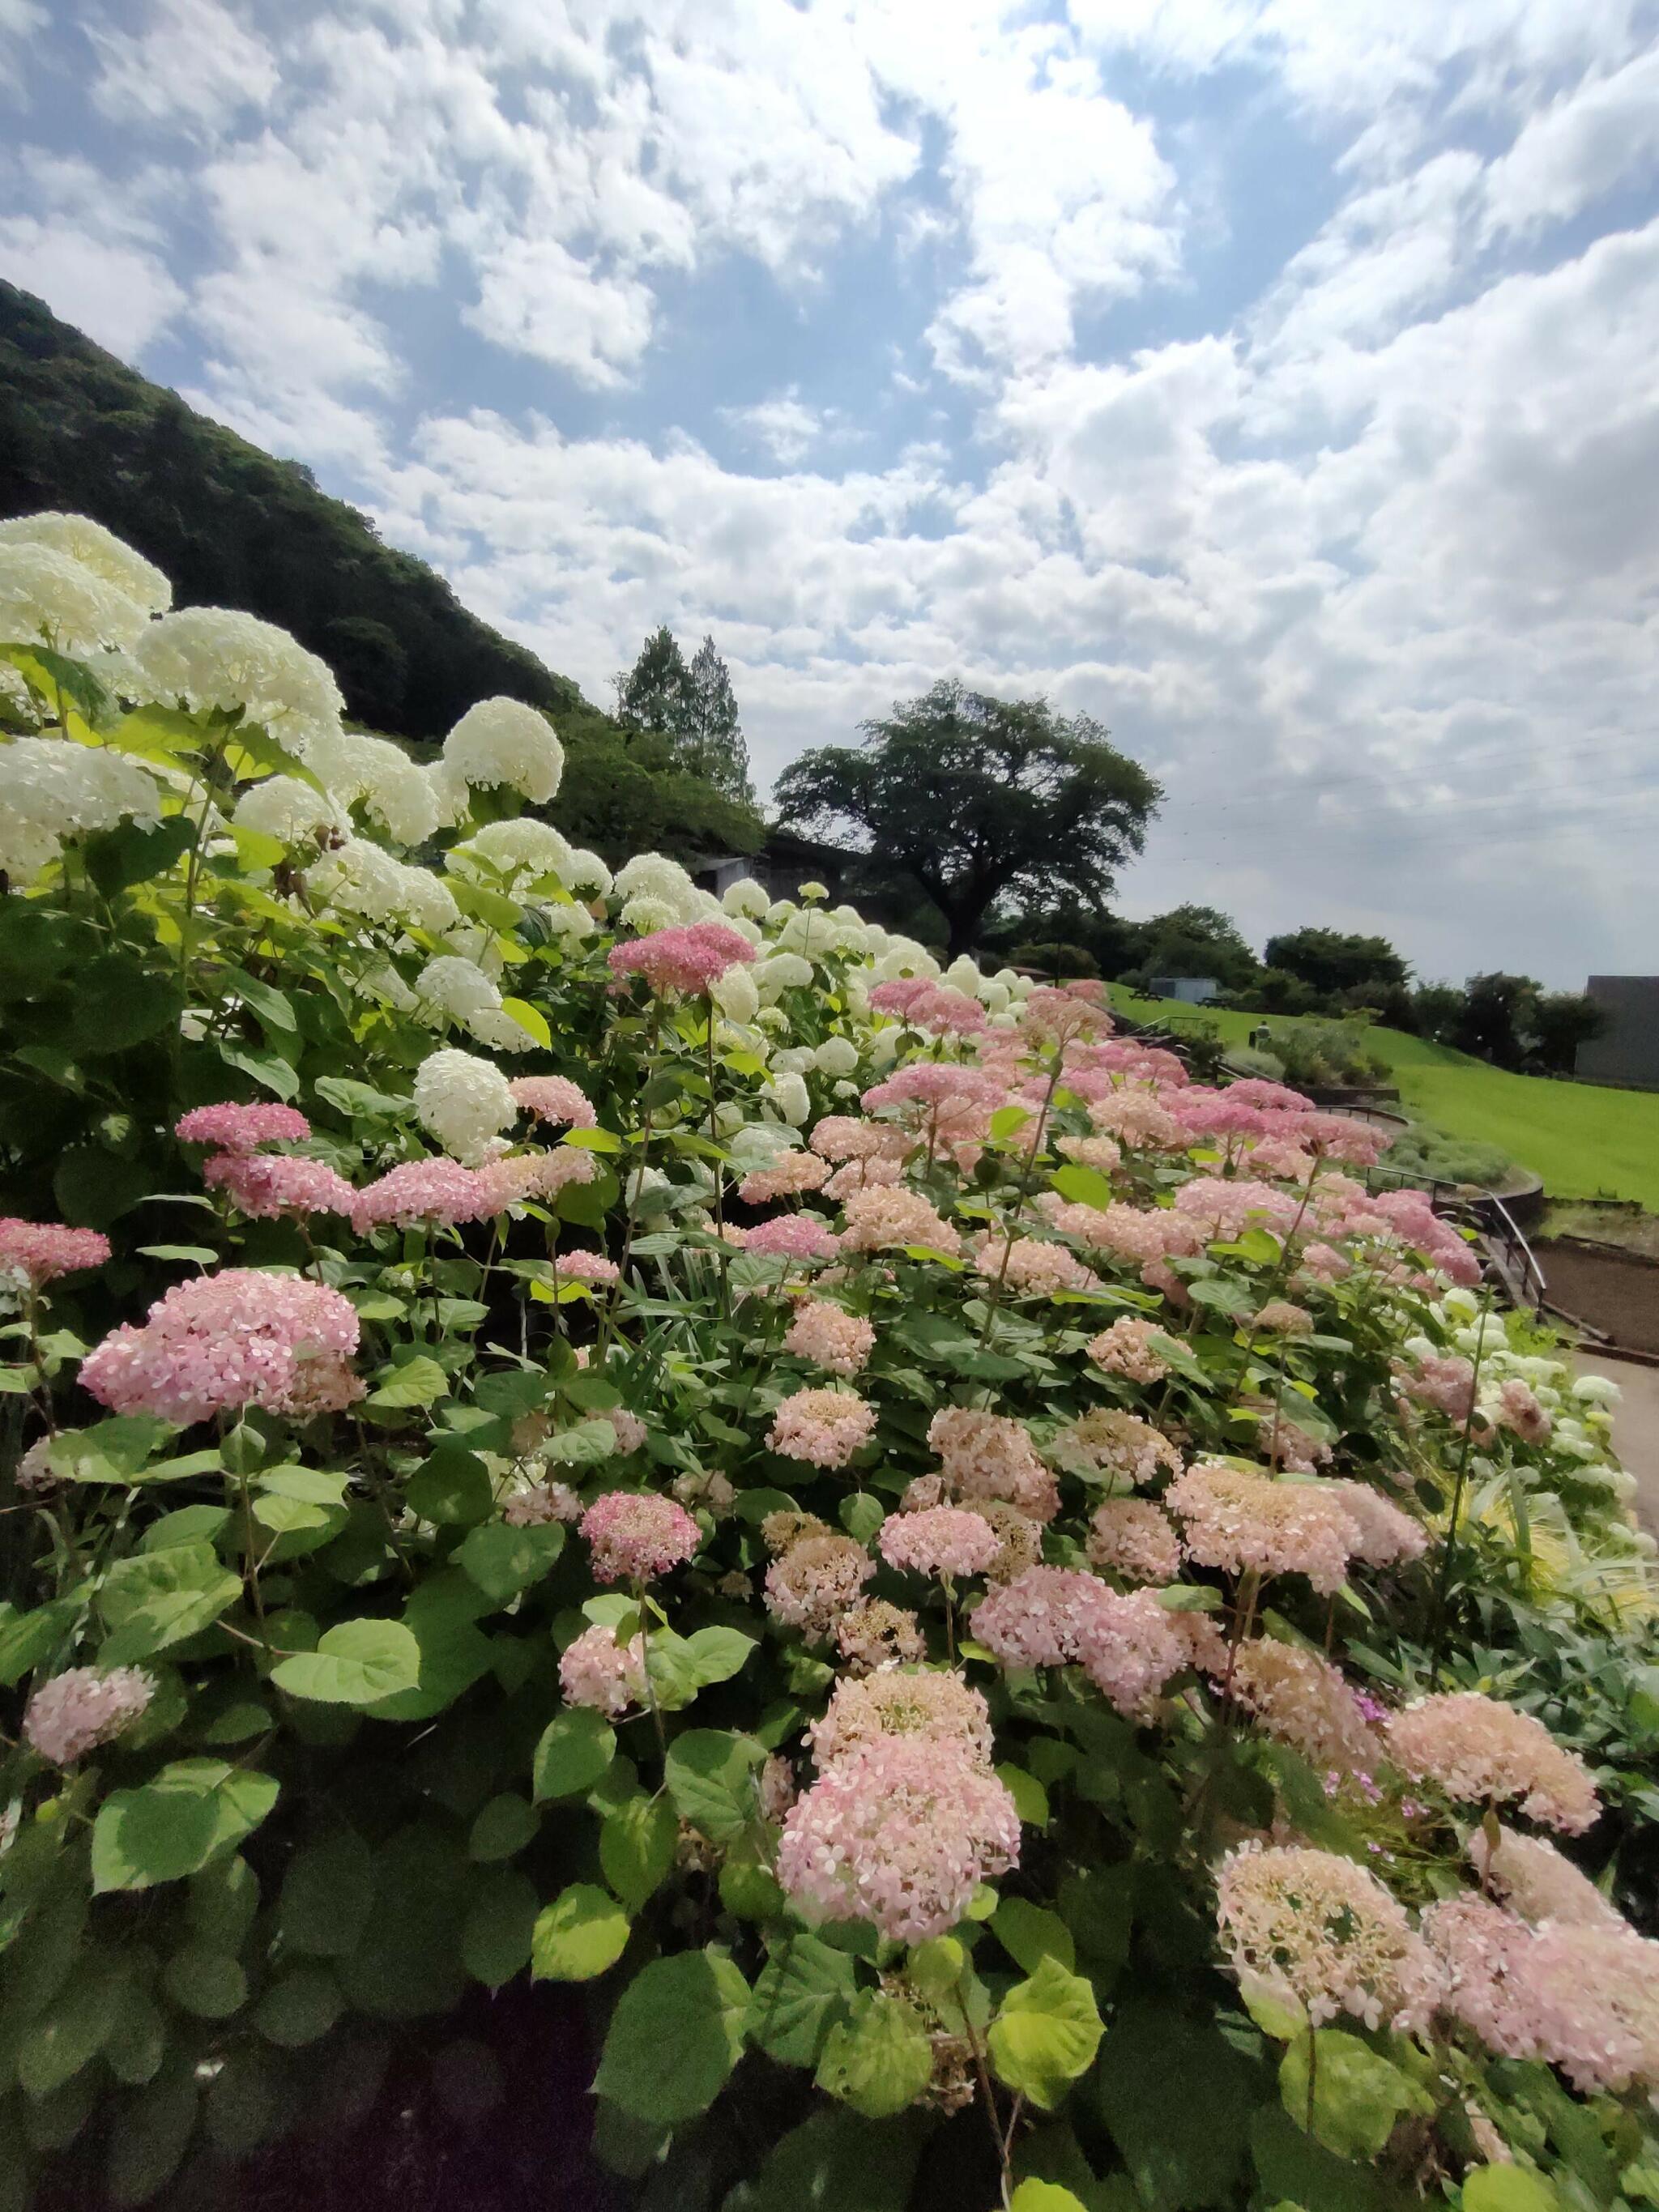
{"points": [[1056, 959], [1437, 1157]]}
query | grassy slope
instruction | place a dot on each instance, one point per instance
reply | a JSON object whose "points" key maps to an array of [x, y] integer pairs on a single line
{"points": [[1585, 1143]]}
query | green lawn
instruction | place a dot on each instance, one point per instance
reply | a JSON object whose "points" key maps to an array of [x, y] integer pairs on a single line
{"points": [[1585, 1142]]}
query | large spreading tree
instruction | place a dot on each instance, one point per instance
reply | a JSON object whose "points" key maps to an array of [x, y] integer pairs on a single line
{"points": [[974, 799]]}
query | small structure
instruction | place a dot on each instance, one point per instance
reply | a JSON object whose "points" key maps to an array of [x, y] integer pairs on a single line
{"points": [[782, 865], [1627, 1051], [1191, 990]]}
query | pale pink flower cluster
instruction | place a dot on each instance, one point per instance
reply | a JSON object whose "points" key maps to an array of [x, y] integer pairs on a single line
{"points": [[1538, 1881], [1443, 1381], [799, 1237], [1019, 1539], [231, 1128], [1322, 1932], [787, 1174], [843, 1137], [924, 1005], [1099, 1152], [74, 1712], [1279, 1317], [1245, 1523], [630, 1431], [598, 1672], [40, 1251], [823, 1426], [554, 1098], [815, 1580], [987, 1457], [879, 1218], [902, 1833], [940, 1708], [873, 1633], [1271, 1097], [830, 1337], [1414, 1219], [1290, 1446], [1129, 1232], [238, 1338], [1480, 1751], [1067, 1013], [1118, 1445], [1480, 1951], [1138, 1119], [543, 1502], [507, 1182], [942, 1540], [1136, 1538], [1517, 1409], [438, 1192], [1301, 1700], [1223, 1211], [689, 957], [265, 1185], [1126, 1349], [579, 1266], [1032, 1267], [1059, 1616], [635, 1536], [1388, 1537]]}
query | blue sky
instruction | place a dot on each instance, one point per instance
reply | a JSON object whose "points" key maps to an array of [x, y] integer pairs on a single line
{"points": [[1274, 379]]}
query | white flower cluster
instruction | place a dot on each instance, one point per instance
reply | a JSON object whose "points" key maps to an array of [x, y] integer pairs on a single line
{"points": [[464, 1103], [362, 879], [51, 788], [17, 707], [77, 537], [516, 852], [48, 596], [503, 741], [292, 812], [375, 772], [458, 987], [217, 658], [656, 894], [746, 898]]}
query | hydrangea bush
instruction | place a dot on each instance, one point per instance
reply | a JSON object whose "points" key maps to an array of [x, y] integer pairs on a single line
{"points": [[1014, 1631]]}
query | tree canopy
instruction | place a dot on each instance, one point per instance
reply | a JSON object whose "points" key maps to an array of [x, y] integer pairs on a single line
{"points": [[1335, 960], [973, 797], [693, 706]]}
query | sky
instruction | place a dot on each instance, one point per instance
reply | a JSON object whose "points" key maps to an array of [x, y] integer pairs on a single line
{"points": [[1275, 381]]}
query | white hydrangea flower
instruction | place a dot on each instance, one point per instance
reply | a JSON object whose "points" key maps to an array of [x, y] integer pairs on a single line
{"points": [[457, 987], [452, 794], [745, 897], [780, 972], [362, 879], [795, 1060], [994, 997], [1460, 1302], [905, 957], [463, 1102], [655, 876], [109, 558], [495, 1027], [355, 769], [218, 658], [523, 848], [45, 595], [963, 974], [503, 741], [736, 995], [586, 872], [788, 1094], [847, 1090], [836, 1056], [646, 914], [51, 788], [884, 1044], [1597, 1390], [292, 812], [779, 912], [816, 893], [568, 920], [16, 701]]}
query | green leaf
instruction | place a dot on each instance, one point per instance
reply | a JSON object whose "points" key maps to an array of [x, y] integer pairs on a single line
{"points": [[581, 1934], [224, 1897], [878, 2059], [119, 1002], [710, 1777], [27, 1638], [1084, 1187], [152, 1600], [71, 2031], [205, 1981], [1353, 2097], [501, 1921], [530, 1020], [1044, 2196], [173, 1825], [576, 1748], [353, 1663], [503, 1828], [452, 1489], [834, 2162], [719, 1653], [675, 2037], [1294, 2168], [1030, 1798], [306, 1486], [799, 1994], [1029, 1934], [1008, 1119], [94, 1187], [274, 1008], [503, 1560], [1045, 2033], [1144, 2085], [326, 1896], [109, 1451], [861, 1515], [414, 1382], [636, 1847], [302, 2005], [1507, 2189], [150, 2132]]}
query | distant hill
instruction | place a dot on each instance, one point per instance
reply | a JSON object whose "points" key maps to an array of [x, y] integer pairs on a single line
{"points": [[234, 527]]}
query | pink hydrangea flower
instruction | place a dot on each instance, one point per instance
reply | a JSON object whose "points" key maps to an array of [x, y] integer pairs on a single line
{"points": [[1480, 1751], [586, 1268], [787, 1174], [630, 1431], [501, 1183], [238, 1338], [1321, 1932], [902, 1702], [879, 1218], [1388, 1537], [1135, 1538], [1247, 1523], [799, 1237], [543, 1502], [40, 1251], [901, 1831], [234, 1128], [943, 1539], [438, 1192], [811, 1586], [830, 1337], [844, 1136], [598, 1672], [636, 1535], [687, 958], [1126, 1349], [823, 1426], [264, 1185], [554, 1098], [989, 1457], [74, 1712]]}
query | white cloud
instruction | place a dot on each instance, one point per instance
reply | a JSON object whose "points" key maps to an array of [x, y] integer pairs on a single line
{"points": [[1580, 146], [783, 425], [195, 66]]}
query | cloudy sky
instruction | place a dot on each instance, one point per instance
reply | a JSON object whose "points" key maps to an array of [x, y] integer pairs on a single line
{"points": [[1276, 379]]}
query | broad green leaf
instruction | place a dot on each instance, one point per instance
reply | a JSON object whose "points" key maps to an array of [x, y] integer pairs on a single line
{"points": [[878, 2059], [109, 1451], [452, 1489], [306, 1486], [1030, 1798], [169, 1827], [414, 1382], [353, 1663], [1507, 2189], [710, 1777], [1029, 1934], [576, 1748], [675, 2037], [636, 1846], [503, 1560], [502, 1827], [299, 2007], [119, 1002], [496, 1937], [530, 1020], [327, 1895], [205, 1981], [71, 2031], [152, 1600], [1083, 1186], [149, 2133], [1045, 2035], [799, 1994], [1345, 2092], [861, 1515], [1144, 2088], [27, 1638], [836, 2162], [1044, 2196], [224, 1899], [581, 1934]]}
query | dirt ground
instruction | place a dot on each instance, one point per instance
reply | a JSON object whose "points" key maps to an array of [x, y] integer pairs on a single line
{"points": [[1616, 1292]]}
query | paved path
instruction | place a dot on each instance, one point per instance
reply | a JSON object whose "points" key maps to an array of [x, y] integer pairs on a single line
{"points": [[1635, 1425]]}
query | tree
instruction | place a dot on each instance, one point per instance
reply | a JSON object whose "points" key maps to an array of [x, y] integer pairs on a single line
{"points": [[652, 694], [1331, 960], [1563, 1021], [1498, 1020], [1439, 1009], [974, 799], [712, 745], [1198, 940]]}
